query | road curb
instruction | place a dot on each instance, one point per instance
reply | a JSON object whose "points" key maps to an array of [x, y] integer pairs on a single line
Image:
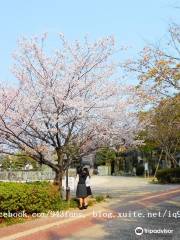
{"points": [[98, 207]]}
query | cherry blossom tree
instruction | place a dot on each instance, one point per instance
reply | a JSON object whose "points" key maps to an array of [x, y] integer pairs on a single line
{"points": [[66, 104]]}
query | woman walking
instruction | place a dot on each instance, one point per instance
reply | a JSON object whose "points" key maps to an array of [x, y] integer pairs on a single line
{"points": [[81, 191], [88, 185]]}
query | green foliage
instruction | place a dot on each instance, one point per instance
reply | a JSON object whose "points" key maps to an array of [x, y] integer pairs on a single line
{"points": [[149, 145], [168, 175], [96, 199], [99, 198], [10, 220], [105, 155], [31, 198], [18, 162], [161, 132], [140, 170]]}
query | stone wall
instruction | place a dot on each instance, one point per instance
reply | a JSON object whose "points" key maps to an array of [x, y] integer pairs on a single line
{"points": [[31, 175], [26, 176]]}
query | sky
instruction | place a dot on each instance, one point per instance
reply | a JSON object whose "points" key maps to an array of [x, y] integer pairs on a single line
{"points": [[132, 22]]}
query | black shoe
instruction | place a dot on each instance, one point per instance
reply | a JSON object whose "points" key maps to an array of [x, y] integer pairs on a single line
{"points": [[85, 206], [81, 208]]}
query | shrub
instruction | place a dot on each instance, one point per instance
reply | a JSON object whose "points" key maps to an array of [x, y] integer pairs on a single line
{"points": [[168, 175], [99, 198], [140, 170], [31, 198]]}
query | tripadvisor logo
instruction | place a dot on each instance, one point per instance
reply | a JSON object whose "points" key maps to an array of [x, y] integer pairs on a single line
{"points": [[139, 231]]}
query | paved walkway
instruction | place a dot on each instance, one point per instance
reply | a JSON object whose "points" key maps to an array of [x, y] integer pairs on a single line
{"points": [[134, 203]]}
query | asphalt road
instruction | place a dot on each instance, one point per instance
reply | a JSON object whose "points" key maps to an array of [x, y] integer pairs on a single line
{"points": [[153, 209]]}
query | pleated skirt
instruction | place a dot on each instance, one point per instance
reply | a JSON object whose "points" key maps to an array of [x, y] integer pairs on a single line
{"points": [[81, 191]]}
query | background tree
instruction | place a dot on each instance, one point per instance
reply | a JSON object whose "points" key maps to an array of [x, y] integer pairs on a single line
{"points": [[158, 71], [105, 155], [18, 162], [158, 68], [163, 130], [66, 105]]}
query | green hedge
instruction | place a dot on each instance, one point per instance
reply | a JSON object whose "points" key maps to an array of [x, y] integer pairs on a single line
{"points": [[31, 198], [168, 175]]}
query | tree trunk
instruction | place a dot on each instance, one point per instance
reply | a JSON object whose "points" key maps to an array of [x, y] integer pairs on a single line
{"points": [[58, 180]]}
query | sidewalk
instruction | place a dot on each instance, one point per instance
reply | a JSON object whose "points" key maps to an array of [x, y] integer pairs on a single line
{"points": [[76, 219], [55, 228]]}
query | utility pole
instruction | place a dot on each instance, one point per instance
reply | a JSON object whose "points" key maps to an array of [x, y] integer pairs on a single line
{"points": [[67, 182], [67, 186]]}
